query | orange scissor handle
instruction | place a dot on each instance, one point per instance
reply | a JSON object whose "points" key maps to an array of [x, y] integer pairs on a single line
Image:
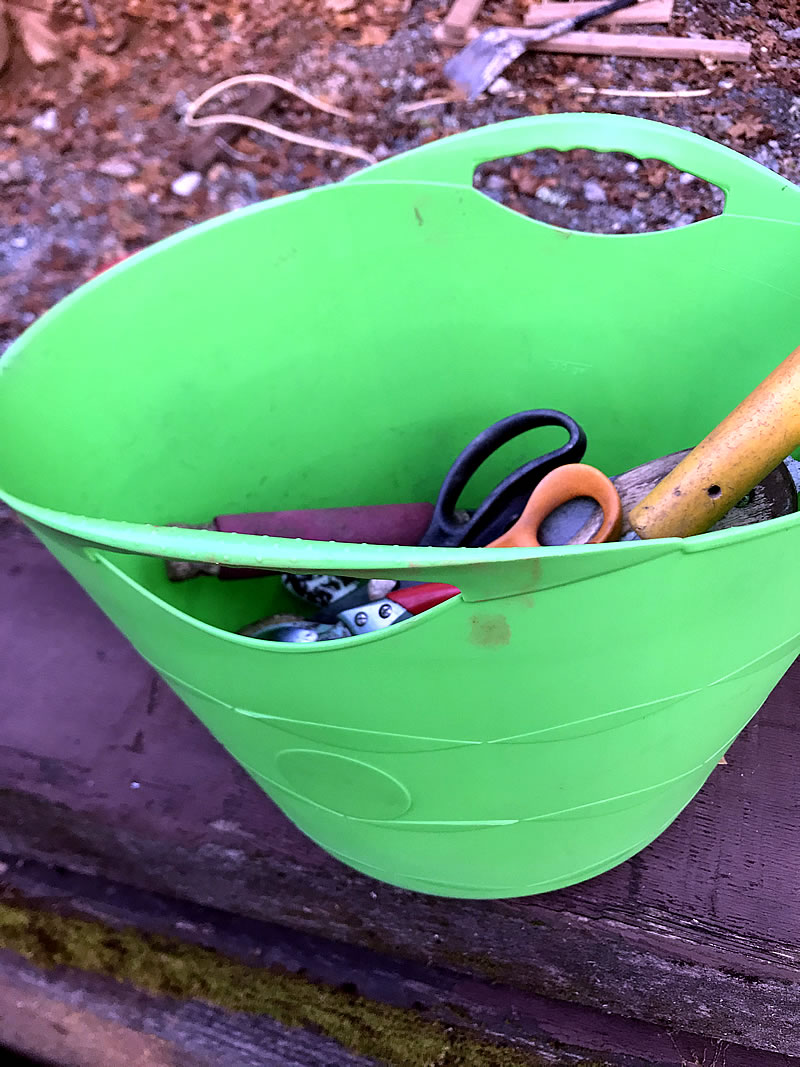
{"points": [[558, 487]]}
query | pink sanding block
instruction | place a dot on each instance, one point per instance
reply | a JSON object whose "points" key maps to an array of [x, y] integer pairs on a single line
{"points": [[371, 524]]}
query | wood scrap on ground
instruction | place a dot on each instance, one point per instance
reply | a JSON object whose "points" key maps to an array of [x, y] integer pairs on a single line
{"points": [[458, 23], [31, 21], [646, 12], [648, 46], [458, 29]]}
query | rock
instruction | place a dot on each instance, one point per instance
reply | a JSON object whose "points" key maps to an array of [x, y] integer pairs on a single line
{"points": [[499, 86], [11, 172], [235, 201], [47, 122], [687, 179], [765, 157], [496, 183], [556, 197], [187, 184], [219, 172], [594, 192], [66, 209], [19, 242], [117, 167], [182, 101], [631, 167], [684, 219], [791, 35]]}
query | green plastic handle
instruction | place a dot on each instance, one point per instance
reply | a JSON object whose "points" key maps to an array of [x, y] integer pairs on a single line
{"points": [[750, 189], [480, 573]]}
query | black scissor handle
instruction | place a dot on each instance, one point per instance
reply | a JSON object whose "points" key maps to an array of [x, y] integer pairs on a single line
{"points": [[504, 505]]}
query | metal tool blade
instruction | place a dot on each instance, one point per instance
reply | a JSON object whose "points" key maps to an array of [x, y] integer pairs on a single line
{"points": [[475, 67]]}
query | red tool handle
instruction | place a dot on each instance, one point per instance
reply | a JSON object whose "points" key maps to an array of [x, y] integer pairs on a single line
{"points": [[418, 598]]}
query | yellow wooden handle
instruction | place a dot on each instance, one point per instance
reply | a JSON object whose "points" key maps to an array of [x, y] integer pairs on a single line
{"points": [[726, 465]]}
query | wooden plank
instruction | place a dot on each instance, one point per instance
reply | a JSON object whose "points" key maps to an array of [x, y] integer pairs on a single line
{"points": [[642, 46], [41, 1022], [255, 954], [457, 21], [648, 12], [649, 46], [457, 27], [76, 1020], [104, 771]]}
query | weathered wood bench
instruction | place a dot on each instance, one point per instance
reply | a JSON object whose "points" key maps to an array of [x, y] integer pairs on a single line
{"points": [[123, 822]]}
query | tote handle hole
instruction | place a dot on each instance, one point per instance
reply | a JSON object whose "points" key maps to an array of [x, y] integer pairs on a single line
{"points": [[598, 192], [714, 491]]}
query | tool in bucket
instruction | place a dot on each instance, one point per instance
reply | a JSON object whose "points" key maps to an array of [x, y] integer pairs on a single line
{"points": [[376, 524], [501, 508], [555, 508], [565, 483], [350, 621], [475, 67], [561, 497], [689, 491], [559, 501], [443, 524], [350, 612], [449, 526], [575, 522], [406, 524], [729, 462]]}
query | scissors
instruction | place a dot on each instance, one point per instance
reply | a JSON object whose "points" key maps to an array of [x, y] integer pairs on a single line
{"points": [[573, 481], [504, 505], [570, 482]]}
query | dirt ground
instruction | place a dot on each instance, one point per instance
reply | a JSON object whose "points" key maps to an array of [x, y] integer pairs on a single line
{"points": [[91, 148]]}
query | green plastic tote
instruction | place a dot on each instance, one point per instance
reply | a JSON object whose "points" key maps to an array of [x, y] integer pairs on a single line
{"points": [[340, 347]]}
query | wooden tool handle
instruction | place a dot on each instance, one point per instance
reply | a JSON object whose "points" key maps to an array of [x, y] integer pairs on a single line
{"points": [[556, 488], [774, 496], [727, 464]]}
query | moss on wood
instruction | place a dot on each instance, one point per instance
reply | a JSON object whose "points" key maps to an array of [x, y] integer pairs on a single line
{"points": [[169, 967]]}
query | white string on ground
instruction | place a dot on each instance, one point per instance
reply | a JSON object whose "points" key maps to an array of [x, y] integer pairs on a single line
{"points": [[194, 106]]}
